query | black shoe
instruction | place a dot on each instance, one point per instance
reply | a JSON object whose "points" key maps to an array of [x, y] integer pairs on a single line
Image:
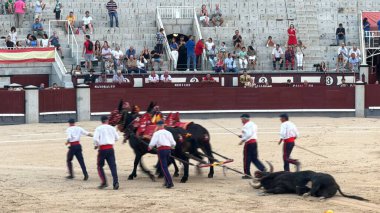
{"points": [[246, 177], [170, 186], [70, 177], [102, 186], [116, 186], [85, 177]]}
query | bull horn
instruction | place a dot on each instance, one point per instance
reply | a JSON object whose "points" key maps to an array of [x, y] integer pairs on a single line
{"points": [[271, 168], [255, 186]]}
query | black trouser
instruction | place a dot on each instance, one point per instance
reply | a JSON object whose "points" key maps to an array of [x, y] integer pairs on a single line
{"points": [[164, 157], [160, 48], [250, 156], [288, 148], [109, 156], [75, 150], [275, 61]]}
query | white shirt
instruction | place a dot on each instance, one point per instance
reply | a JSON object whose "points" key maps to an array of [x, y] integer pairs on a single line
{"points": [[45, 42], [87, 20], [162, 138], [13, 37], [288, 130], [117, 54], [153, 79], [105, 134], [249, 131], [343, 50], [357, 52], [168, 78], [277, 53], [209, 45], [74, 133], [141, 64]]}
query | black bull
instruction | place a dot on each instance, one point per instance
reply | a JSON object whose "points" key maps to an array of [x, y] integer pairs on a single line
{"points": [[323, 185]]}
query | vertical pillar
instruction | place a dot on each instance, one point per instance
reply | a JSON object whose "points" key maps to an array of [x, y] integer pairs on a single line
{"points": [[360, 99], [83, 102], [364, 69], [31, 104]]}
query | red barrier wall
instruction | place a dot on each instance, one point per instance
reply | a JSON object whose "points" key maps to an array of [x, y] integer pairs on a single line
{"points": [[57, 100], [12, 102], [105, 100], [26, 80], [372, 97]]}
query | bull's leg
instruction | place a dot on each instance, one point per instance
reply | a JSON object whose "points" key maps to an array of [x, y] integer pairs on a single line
{"points": [[315, 189], [276, 190], [176, 170], [146, 171], [136, 162]]}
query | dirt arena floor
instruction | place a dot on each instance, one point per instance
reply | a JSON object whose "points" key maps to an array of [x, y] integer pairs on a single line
{"points": [[33, 170]]}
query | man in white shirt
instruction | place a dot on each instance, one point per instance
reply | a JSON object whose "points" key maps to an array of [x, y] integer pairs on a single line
{"points": [[87, 19], [166, 78], [118, 78], [75, 149], [342, 49], [357, 53], [277, 55], [153, 77], [105, 137], [164, 141], [249, 139], [288, 135]]}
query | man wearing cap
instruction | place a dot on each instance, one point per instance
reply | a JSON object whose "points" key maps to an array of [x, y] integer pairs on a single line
{"points": [[164, 141], [75, 149], [249, 139], [105, 137], [288, 135]]}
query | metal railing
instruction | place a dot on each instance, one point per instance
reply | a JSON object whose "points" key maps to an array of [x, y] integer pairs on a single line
{"points": [[166, 43], [74, 46], [362, 40], [173, 12], [60, 65]]}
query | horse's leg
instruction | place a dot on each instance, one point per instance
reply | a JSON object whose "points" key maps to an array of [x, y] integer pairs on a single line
{"points": [[206, 148], [136, 162], [176, 170], [146, 171], [185, 176]]}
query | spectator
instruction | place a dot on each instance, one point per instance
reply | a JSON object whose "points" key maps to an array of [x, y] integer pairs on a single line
{"points": [[209, 43], [112, 12], [357, 53], [38, 7], [366, 28], [292, 40], [117, 55], [45, 41], [9, 43], [237, 40], [277, 55], [131, 51], [102, 78], [70, 21], [223, 50], [88, 52], [90, 78], [245, 79], [289, 58], [57, 9], [54, 41], [147, 57], [343, 50], [217, 16], [87, 25], [38, 28], [343, 84], [166, 78], [270, 42], [299, 58], [108, 63], [305, 84], [8, 6], [353, 63], [141, 64], [18, 44], [153, 77], [340, 34], [41, 87], [341, 63], [323, 67], [208, 79], [118, 78], [252, 60], [199, 47], [98, 50], [76, 71], [219, 66], [55, 87], [13, 35], [229, 63], [204, 16], [243, 62], [20, 8], [33, 41], [156, 58], [28, 39], [160, 41], [174, 52], [132, 65], [289, 83], [211, 54], [182, 55], [190, 50]]}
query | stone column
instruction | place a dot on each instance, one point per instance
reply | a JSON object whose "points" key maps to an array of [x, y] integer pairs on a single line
{"points": [[83, 102], [32, 113], [360, 99]]}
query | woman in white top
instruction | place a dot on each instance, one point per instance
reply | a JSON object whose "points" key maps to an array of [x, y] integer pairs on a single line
{"points": [[209, 43], [141, 64], [44, 41], [204, 16], [13, 35]]}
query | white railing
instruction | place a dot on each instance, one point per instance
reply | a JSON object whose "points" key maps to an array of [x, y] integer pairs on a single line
{"points": [[362, 40], [60, 65], [166, 43], [173, 12], [198, 34], [75, 52]]}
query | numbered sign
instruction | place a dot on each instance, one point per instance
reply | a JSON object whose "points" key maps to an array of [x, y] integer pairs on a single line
{"points": [[194, 80], [262, 80], [329, 80]]}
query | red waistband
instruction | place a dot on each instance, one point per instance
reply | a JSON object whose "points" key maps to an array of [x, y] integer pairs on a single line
{"points": [[290, 140], [251, 141], [105, 147], [164, 148], [74, 143]]}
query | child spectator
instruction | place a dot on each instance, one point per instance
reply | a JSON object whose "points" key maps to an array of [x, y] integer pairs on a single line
{"points": [[270, 42], [243, 58], [44, 41], [13, 35]]}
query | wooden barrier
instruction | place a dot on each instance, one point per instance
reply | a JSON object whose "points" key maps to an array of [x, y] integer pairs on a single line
{"points": [[372, 98], [13, 102], [62, 100]]}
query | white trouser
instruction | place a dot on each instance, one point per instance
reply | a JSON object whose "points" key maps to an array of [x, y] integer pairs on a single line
{"points": [[299, 60], [241, 61], [175, 58]]}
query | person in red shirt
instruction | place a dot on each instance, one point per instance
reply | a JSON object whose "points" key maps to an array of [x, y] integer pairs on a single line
{"points": [[88, 52], [199, 47], [208, 78]]}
